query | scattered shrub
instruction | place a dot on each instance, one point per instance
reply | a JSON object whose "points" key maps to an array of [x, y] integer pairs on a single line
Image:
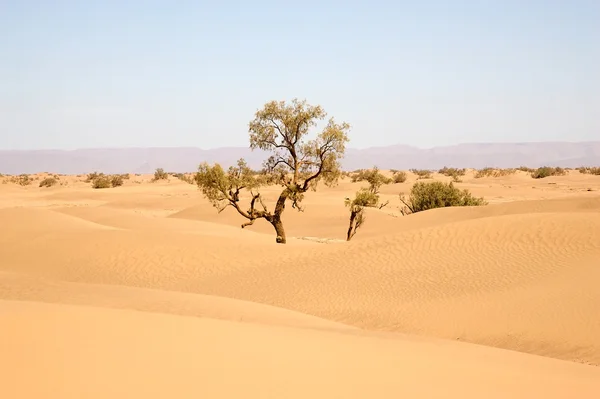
{"points": [[160, 174], [48, 182], [525, 169], [422, 173], [371, 176], [93, 176], [22, 180], [454, 173], [430, 195], [594, 170], [493, 172], [186, 178], [547, 171]]}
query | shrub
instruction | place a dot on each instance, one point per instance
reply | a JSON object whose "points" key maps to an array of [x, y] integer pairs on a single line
{"points": [[493, 172], [101, 182], [22, 180], [454, 173], [399, 176], [93, 176], [116, 180], [525, 169], [371, 176], [430, 195], [547, 171], [186, 178], [422, 173], [160, 174], [589, 170], [48, 182]]}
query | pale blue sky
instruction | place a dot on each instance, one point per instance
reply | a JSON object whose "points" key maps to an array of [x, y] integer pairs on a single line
{"points": [[77, 74]]}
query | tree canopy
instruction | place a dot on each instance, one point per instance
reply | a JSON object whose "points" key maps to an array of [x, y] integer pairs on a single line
{"points": [[298, 163]]}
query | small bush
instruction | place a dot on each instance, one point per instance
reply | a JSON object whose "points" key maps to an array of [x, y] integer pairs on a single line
{"points": [[48, 182], [430, 195], [116, 180], [399, 176], [371, 176], [186, 178], [102, 182], [160, 174], [93, 176], [422, 173], [547, 171]]}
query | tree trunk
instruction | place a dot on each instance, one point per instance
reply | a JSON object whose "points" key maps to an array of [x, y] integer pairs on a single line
{"points": [[278, 225], [276, 218], [351, 226]]}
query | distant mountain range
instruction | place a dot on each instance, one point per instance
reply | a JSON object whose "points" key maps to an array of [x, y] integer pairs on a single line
{"points": [[186, 159]]}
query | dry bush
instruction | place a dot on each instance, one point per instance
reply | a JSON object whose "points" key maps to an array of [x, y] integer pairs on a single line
{"points": [[493, 172], [422, 173], [48, 182], [371, 176], [93, 176], [399, 176], [525, 169], [430, 195], [589, 170], [186, 178], [160, 174], [547, 171], [22, 180], [454, 173], [107, 181], [102, 182]]}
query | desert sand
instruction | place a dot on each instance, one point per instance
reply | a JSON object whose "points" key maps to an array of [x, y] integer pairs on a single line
{"points": [[146, 291]]}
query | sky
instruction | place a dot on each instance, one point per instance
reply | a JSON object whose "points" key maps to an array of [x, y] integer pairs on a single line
{"points": [[132, 73]]}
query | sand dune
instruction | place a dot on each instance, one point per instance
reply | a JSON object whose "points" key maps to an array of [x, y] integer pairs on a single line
{"points": [[99, 353], [123, 281]]}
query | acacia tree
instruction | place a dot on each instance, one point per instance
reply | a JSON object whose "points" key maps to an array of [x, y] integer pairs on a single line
{"points": [[297, 163], [366, 197]]}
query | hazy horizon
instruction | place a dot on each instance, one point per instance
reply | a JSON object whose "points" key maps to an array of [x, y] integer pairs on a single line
{"points": [[81, 75]]}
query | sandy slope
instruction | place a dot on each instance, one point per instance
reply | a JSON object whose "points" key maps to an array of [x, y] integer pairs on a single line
{"points": [[98, 353], [519, 274]]}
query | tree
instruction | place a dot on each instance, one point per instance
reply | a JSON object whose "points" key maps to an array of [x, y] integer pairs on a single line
{"points": [[365, 197], [297, 164]]}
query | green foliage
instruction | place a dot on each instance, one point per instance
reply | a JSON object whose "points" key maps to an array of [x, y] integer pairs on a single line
{"points": [[422, 173], [160, 174], [547, 171], [185, 177], [48, 182], [430, 195], [223, 188], [365, 197], [297, 161]]}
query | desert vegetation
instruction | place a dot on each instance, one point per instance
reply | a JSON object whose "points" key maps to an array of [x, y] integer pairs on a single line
{"points": [[547, 171], [100, 180], [494, 172], [422, 173], [454, 173], [589, 170], [429, 195], [296, 164], [48, 182], [160, 174]]}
